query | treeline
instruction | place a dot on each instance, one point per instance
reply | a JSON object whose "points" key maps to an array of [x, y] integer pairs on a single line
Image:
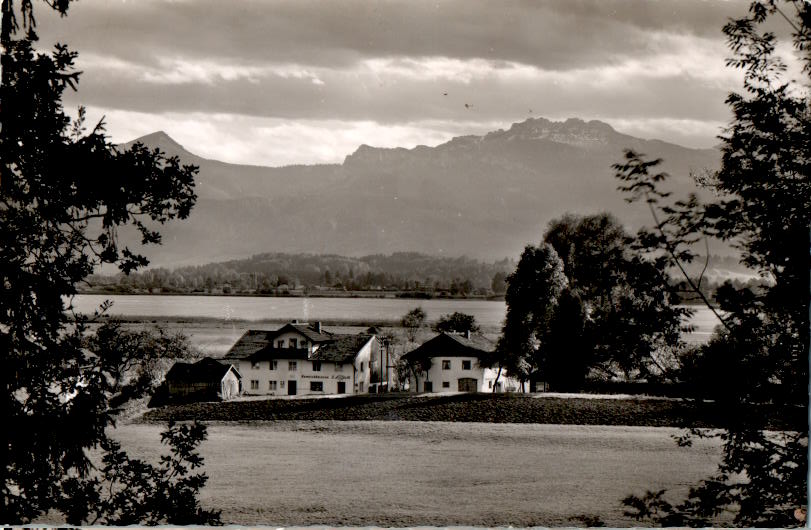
{"points": [[404, 273], [407, 273]]}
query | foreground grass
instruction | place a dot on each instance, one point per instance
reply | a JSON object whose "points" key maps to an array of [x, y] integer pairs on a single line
{"points": [[385, 473], [488, 408]]}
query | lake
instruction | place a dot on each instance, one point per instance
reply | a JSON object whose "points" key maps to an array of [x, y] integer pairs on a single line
{"points": [[489, 313]]}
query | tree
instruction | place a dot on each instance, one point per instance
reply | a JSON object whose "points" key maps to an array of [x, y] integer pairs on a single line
{"points": [[533, 290], [593, 249], [412, 322], [566, 357], [456, 323], [499, 283], [633, 319], [763, 207], [64, 195]]}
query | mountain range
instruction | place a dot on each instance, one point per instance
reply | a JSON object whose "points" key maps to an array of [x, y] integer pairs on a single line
{"points": [[481, 196]]}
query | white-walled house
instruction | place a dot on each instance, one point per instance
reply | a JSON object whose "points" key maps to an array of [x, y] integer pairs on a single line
{"points": [[452, 363], [303, 359]]}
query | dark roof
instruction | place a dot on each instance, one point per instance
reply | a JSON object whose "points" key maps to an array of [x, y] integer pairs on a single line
{"points": [[205, 370], [270, 352], [249, 343], [342, 349], [258, 345], [308, 330], [452, 345]]}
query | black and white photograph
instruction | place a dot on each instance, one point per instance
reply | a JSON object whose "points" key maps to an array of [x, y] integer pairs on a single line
{"points": [[405, 263]]}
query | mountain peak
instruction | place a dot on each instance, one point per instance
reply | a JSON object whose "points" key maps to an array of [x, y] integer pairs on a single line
{"points": [[573, 131], [162, 141]]}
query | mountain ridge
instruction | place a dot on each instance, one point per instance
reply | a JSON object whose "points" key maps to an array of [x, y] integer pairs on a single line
{"points": [[484, 196]]}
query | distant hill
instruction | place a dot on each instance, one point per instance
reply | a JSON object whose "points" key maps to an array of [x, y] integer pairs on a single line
{"points": [[480, 196]]}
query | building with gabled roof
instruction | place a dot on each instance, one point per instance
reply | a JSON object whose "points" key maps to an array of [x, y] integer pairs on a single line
{"points": [[451, 362], [303, 359], [207, 379]]}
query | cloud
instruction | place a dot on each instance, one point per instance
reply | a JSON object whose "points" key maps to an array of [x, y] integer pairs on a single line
{"points": [[550, 35], [357, 67], [274, 142]]}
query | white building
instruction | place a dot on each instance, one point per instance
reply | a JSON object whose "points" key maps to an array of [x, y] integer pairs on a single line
{"points": [[453, 363], [302, 359]]}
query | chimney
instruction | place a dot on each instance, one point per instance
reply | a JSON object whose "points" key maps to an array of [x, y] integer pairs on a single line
{"points": [[317, 326], [467, 334]]}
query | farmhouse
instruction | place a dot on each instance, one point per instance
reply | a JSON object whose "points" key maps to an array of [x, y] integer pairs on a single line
{"points": [[453, 363], [207, 379], [301, 358]]}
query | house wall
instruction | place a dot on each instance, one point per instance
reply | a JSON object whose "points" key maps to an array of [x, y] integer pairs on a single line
{"points": [[298, 337], [484, 377], [362, 367], [330, 375], [229, 386], [183, 390], [379, 369]]}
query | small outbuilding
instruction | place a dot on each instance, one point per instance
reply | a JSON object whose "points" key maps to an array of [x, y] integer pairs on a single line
{"points": [[205, 380]]}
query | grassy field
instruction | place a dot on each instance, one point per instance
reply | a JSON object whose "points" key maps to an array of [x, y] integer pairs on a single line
{"points": [[432, 473]]}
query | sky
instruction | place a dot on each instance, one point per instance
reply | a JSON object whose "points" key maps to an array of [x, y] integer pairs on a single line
{"points": [[299, 81]]}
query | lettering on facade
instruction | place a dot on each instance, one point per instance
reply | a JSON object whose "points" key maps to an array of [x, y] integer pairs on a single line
{"points": [[303, 376], [341, 377]]}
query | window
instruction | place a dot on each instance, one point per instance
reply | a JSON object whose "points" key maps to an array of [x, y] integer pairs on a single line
{"points": [[339, 367], [254, 365], [291, 366], [293, 343], [281, 384], [360, 386], [271, 385], [273, 365], [280, 344], [489, 384], [428, 386], [316, 366], [361, 369], [304, 344], [254, 384], [446, 364], [446, 384], [316, 386], [465, 365]]}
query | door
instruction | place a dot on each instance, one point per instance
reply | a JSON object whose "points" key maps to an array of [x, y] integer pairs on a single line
{"points": [[428, 386], [467, 384], [341, 387], [291, 388]]}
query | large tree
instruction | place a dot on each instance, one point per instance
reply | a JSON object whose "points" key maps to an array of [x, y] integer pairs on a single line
{"points": [[632, 319], [533, 290], [760, 349], [64, 194], [456, 322]]}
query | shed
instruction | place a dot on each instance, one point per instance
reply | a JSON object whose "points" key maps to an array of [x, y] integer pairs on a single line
{"points": [[207, 379]]}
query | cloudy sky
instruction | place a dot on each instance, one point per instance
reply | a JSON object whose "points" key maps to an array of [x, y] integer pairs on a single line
{"points": [[298, 81]]}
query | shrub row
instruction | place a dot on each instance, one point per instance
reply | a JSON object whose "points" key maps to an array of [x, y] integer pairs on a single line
{"points": [[488, 408]]}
